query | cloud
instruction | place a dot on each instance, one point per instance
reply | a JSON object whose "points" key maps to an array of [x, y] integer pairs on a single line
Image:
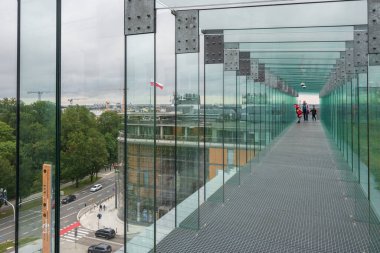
{"points": [[8, 48]]}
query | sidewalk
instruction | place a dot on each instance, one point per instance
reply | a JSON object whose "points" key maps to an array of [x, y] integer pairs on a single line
{"points": [[301, 197], [109, 219]]}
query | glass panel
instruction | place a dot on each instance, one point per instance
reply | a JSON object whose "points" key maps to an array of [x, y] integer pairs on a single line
{"points": [[259, 100], [37, 125], [215, 137], [243, 148], [231, 129], [318, 14], [355, 128], [8, 52], [374, 146], [250, 116], [92, 129], [363, 133], [141, 166], [189, 156], [349, 121], [166, 155], [262, 105]]}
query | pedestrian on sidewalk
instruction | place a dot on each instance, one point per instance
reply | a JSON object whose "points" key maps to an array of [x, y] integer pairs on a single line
{"points": [[104, 208], [100, 207]]}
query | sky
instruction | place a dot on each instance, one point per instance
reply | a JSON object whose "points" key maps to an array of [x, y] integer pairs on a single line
{"points": [[8, 47], [93, 49]]}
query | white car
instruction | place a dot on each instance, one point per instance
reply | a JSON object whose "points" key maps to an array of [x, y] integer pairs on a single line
{"points": [[96, 187]]}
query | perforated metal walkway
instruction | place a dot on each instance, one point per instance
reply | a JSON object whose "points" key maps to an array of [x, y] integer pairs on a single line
{"points": [[301, 197]]}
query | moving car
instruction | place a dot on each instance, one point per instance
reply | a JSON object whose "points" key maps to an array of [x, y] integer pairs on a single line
{"points": [[107, 233], [100, 248], [68, 199], [96, 187]]}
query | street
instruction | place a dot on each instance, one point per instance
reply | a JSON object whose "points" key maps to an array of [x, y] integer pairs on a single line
{"points": [[30, 220]]}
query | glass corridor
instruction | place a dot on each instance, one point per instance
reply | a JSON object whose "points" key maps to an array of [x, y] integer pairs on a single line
{"points": [[168, 106]]}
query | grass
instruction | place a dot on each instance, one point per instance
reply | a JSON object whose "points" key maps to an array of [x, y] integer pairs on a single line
{"points": [[6, 213], [82, 184], [26, 206], [10, 244], [5, 245], [36, 203]]}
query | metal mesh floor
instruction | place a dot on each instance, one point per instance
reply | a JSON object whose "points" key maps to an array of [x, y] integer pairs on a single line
{"points": [[300, 198]]}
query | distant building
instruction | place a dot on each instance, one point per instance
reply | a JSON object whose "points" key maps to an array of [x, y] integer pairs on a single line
{"points": [[194, 163]]}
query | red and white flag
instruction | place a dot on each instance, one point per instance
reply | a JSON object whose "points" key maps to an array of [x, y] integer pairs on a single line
{"points": [[158, 85]]}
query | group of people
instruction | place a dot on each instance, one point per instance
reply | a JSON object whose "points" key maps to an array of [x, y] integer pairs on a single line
{"points": [[305, 112]]}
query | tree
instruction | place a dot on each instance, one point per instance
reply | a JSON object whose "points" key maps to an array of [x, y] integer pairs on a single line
{"points": [[7, 158], [37, 143], [98, 151], [8, 111], [83, 146], [8, 177], [75, 157], [6, 132], [109, 124]]}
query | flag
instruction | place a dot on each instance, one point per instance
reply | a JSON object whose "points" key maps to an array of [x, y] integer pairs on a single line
{"points": [[158, 85]]}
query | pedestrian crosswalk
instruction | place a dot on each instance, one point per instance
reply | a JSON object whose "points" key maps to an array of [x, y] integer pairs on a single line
{"points": [[75, 234]]}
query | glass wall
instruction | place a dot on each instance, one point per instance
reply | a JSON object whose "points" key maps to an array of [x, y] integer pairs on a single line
{"points": [[92, 115], [350, 114], [148, 136], [373, 143], [8, 88], [37, 125]]}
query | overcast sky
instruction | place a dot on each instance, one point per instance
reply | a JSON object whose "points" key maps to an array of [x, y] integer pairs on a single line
{"points": [[93, 47], [8, 47]]}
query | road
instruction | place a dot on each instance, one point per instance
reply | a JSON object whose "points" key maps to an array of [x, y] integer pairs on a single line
{"points": [[30, 220]]}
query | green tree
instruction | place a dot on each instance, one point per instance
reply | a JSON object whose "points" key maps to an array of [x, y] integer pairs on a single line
{"points": [[6, 132], [109, 124], [83, 146], [37, 143], [8, 177], [75, 157], [8, 111], [7, 158], [98, 152]]}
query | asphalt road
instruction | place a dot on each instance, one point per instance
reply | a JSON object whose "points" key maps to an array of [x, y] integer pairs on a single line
{"points": [[30, 220]]}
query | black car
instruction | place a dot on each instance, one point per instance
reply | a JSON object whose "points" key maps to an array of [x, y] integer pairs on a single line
{"points": [[100, 248], [107, 233], [68, 199]]}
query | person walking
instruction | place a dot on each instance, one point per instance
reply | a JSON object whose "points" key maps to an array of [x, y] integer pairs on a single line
{"points": [[314, 113], [298, 112], [305, 111]]}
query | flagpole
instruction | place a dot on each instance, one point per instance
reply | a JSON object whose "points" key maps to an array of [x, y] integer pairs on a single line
{"points": [[150, 96]]}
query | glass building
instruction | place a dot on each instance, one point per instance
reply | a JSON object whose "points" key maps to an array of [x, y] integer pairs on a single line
{"points": [[140, 115]]}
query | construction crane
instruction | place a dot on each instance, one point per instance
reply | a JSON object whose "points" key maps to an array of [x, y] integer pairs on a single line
{"points": [[39, 93]]}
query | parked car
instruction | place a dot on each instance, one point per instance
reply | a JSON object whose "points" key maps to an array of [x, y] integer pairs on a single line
{"points": [[68, 199], [107, 233], [100, 248], [96, 187]]}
